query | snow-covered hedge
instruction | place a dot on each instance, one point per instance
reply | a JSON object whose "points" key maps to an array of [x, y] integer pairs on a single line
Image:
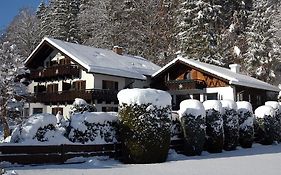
{"points": [[193, 118], [265, 118], [246, 124], [145, 121], [230, 124], [93, 127], [214, 126], [80, 105], [39, 128], [277, 124]]}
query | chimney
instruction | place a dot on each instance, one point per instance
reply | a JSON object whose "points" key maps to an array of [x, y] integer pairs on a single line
{"points": [[235, 68], [118, 50]]}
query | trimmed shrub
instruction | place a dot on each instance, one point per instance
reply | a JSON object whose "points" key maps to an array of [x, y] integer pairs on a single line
{"points": [[214, 126], [39, 128], [277, 124], [230, 124], [193, 119], [80, 106], [93, 128], [145, 121], [265, 119], [246, 124]]}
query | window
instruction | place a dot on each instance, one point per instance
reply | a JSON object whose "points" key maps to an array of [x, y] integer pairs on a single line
{"points": [[109, 109], [37, 110], [259, 100], [112, 85], [56, 110], [212, 96], [196, 96], [79, 85], [64, 61], [187, 76], [51, 88], [66, 86]]}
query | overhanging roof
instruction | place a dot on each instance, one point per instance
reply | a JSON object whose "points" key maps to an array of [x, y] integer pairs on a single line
{"points": [[100, 61], [227, 74]]}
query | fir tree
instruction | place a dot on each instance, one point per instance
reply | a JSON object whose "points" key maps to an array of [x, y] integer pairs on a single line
{"points": [[199, 35], [263, 54]]}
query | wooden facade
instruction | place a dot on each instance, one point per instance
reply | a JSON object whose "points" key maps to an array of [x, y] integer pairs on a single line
{"points": [[187, 76], [185, 81]]}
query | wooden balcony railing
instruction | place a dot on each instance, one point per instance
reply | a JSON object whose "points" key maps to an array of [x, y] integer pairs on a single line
{"points": [[185, 84], [68, 97], [55, 72]]}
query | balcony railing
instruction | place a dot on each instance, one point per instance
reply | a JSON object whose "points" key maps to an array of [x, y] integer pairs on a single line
{"points": [[55, 72], [185, 84], [68, 97]]}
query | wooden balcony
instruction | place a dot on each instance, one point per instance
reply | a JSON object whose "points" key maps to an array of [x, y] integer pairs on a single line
{"points": [[185, 84], [68, 97], [55, 72]]}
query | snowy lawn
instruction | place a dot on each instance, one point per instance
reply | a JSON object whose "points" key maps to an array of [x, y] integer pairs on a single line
{"points": [[259, 160]]}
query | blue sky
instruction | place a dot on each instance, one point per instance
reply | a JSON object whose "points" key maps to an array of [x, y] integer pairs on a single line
{"points": [[9, 9]]}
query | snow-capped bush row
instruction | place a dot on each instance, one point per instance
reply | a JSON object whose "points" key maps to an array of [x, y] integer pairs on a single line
{"points": [[86, 128], [145, 124]]}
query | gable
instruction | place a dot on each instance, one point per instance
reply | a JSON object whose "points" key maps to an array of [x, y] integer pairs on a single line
{"points": [[95, 60], [180, 70]]}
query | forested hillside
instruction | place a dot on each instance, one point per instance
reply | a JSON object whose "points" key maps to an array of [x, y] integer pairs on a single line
{"points": [[215, 31]]}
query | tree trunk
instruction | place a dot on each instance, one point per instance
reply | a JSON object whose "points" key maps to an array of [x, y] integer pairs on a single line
{"points": [[5, 124]]}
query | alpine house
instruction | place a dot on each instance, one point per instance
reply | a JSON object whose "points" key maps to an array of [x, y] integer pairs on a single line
{"points": [[186, 78], [61, 71]]}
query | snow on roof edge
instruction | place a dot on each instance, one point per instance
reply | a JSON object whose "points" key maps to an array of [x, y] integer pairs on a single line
{"points": [[232, 80]]}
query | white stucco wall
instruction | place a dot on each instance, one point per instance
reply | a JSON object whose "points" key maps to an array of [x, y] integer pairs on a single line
{"points": [[223, 92]]}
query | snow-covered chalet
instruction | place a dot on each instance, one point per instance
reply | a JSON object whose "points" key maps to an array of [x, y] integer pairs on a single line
{"points": [[62, 71], [190, 79]]}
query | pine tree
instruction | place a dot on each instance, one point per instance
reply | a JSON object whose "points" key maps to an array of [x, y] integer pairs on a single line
{"points": [[263, 52], [199, 30], [10, 69]]}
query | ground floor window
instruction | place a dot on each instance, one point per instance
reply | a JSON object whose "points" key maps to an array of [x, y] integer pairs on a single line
{"points": [[212, 96], [56, 110], [109, 109], [37, 110]]}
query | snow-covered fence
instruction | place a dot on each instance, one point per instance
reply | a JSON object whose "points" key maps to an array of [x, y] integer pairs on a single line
{"points": [[145, 121], [38, 154], [265, 119], [214, 126], [230, 124], [193, 118], [246, 124]]}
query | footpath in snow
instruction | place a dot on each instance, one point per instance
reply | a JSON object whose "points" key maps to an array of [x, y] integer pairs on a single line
{"points": [[259, 160]]}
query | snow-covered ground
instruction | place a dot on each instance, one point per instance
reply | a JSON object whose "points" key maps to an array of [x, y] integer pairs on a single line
{"points": [[259, 160]]}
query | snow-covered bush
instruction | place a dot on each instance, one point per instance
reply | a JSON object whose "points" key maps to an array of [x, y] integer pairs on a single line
{"points": [[277, 124], [265, 118], [80, 106], [214, 126], [39, 128], [193, 118], [230, 124], [176, 129], [93, 127], [145, 121], [246, 124]]}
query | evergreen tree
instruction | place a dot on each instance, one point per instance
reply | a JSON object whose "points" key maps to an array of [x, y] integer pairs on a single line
{"points": [[199, 30], [262, 56]]}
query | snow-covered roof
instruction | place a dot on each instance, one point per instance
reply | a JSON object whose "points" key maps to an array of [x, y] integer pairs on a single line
{"points": [[227, 74], [102, 61]]}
